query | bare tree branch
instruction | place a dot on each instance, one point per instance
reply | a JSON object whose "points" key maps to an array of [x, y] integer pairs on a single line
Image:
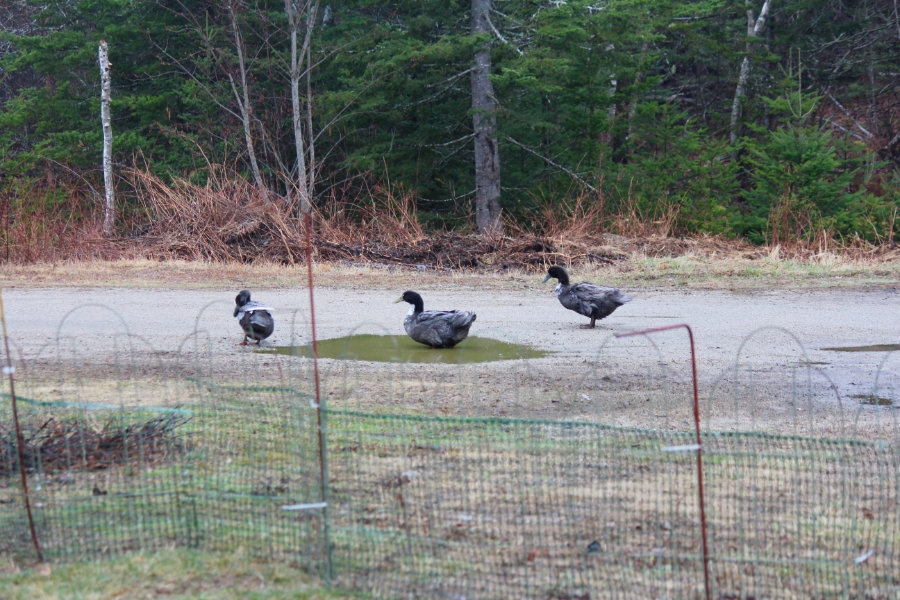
{"points": [[552, 163], [304, 166], [866, 133], [464, 138], [244, 103], [501, 38]]}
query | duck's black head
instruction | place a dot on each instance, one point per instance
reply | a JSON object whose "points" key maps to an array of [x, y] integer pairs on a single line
{"points": [[241, 299], [557, 273], [413, 298]]}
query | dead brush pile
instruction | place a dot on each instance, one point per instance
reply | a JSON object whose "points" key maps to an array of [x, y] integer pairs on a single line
{"points": [[76, 444], [228, 219]]}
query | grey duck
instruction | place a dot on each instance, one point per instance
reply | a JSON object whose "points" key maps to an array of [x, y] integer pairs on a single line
{"points": [[255, 318], [435, 328], [586, 298]]}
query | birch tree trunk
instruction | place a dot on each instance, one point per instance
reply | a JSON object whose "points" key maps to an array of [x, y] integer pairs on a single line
{"points": [[109, 210], [304, 175], [484, 121], [754, 29], [244, 103]]}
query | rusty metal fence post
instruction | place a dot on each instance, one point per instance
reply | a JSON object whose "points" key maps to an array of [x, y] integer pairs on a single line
{"points": [[698, 447]]}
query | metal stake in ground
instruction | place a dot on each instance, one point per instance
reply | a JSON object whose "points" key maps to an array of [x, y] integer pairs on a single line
{"points": [[20, 443], [699, 446]]}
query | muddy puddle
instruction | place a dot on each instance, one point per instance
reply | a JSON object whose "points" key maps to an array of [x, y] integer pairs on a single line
{"points": [[395, 348]]}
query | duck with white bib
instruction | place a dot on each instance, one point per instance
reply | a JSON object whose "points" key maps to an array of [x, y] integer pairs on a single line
{"points": [[255, 318], [585, 298]]}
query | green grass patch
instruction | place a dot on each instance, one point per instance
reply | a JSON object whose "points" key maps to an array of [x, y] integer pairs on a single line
{"points": [[164, 574]]}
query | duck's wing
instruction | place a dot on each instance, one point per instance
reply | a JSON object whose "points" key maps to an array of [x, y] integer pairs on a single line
{"points": [[440, 327], [595, 300], [258, 323], [260, 318]]}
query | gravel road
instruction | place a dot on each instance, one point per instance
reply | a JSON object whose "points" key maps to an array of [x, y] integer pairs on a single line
{"points": [[809, 322]]}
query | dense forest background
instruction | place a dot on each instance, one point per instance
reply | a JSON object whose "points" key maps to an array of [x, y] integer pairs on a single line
{"points": [[774, 121]]}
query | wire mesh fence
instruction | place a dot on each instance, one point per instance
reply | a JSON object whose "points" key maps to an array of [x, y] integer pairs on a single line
{"points": [[482, 508], [130, 450], [801, 517], [100, 479]]}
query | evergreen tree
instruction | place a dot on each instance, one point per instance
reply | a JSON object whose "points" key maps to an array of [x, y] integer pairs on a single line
{"points": [[629, 100]]}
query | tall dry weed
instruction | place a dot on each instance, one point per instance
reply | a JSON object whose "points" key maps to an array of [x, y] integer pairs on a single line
{"points": [[227, 218], [585, 217], [52, 219], [823, 247], [795, 231], [635, 219], [792, 223], [574, 219], [384, 216]]}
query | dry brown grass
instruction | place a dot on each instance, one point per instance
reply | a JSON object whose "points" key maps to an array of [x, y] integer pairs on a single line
{"points": [[225, 219], [385, 215], [53, 219], [633, 221], [577, 218], [693, 264], [192, 231], [228, 219], [49, 444]]}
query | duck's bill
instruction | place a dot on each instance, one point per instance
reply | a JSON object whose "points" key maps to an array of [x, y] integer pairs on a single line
{"points": [[400, 299], [547, 278]]}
